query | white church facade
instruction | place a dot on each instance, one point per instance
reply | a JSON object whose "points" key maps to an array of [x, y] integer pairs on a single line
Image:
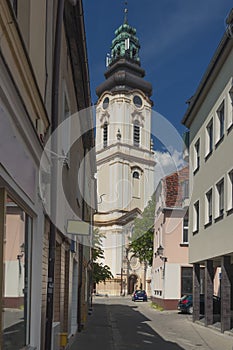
{"points": [[125, 159]]}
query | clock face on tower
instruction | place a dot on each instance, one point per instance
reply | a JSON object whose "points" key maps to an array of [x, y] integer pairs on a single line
{"points": [[137, 101]]}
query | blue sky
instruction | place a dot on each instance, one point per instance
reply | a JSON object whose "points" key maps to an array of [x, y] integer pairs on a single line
{"points": [[177, 37]]}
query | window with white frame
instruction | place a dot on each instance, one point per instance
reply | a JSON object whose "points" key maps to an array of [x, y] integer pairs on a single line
{"points": [[196, 218], [209, 137], [185, 189], [185, 229], [230, 119], [220, 198], [230, 190], [197, 155], [209, 206], [220, 122]]}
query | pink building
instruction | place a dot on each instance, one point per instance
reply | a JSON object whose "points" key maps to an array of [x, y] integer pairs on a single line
{"points": [[171, 273]]}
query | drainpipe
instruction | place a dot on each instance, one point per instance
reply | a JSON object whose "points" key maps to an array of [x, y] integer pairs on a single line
{"points": [[54, 125], [80, 252]]}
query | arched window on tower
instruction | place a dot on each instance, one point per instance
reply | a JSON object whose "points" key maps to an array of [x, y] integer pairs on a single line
{"points": [[136, 184], [105, 134], [136, 175], [136, 133]]}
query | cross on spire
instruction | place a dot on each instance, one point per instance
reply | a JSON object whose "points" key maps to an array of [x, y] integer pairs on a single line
{"points": [[126, 13]]}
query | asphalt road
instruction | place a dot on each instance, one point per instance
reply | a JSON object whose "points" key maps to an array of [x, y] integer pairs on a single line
{"points": [[120, 324]]}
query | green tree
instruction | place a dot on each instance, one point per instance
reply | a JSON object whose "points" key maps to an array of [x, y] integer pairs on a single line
{"points": [[101, 272], [142, 239]]}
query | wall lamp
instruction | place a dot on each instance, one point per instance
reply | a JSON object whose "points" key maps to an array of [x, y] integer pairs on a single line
{"points": [[159, 252]]}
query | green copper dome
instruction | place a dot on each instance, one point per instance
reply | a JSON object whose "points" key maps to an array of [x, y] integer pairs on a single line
{"points": [[125, 44]]}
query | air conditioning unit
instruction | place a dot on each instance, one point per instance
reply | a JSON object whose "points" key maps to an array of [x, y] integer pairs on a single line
{"points": [[55, 343]]}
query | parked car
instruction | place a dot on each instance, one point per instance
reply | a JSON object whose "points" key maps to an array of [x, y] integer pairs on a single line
{"points": [[185, 304], [139, 295]]}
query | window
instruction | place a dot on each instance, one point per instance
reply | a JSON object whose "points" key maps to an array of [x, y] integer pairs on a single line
{"points": [[209, 207], [220, 122], [185, 189], [136, 134], [220, 198], [136, 184], [186, 280], [230, 190], [106, 103], [65, 130], [136, 175], [17, 277], [105, 134], [14, 4], [197, 155], [230, 120], [185, 229], [209, 130], [196, 217]]}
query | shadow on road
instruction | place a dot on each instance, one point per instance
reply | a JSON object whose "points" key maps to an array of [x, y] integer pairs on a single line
{"points": [[120, 327], [134, 331]]}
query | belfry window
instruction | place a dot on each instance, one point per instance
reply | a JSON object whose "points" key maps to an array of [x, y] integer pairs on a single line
{"points": [[136, 175], [105, 134], [136, 134]]}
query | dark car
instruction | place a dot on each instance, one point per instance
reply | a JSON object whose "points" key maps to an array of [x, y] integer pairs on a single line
{"points": [[139, 295], [185, 304]]}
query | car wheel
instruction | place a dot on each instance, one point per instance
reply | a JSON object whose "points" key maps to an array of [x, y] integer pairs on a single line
{"points": [[190, 310]]}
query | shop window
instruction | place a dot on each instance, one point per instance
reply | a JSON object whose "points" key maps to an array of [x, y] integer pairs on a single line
{"points": [[186, 280], [17, 277]]}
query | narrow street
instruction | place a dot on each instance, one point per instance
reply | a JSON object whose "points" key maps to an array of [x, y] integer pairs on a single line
{"points": [[119, 324]]}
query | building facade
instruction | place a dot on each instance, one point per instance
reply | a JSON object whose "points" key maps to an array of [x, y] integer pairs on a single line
{"points": [[171, 272], [209, 118], [28, 35], [125, 160]]}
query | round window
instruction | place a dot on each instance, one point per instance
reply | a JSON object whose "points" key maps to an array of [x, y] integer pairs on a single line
{"points": [[106, 103], [137, 101]]}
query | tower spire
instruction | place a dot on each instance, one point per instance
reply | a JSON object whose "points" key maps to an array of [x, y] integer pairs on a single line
{"points": [[126, 13]]}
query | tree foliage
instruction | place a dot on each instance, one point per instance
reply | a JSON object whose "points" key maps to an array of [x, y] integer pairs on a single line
{"points": [[101, 272], [142, 239]]}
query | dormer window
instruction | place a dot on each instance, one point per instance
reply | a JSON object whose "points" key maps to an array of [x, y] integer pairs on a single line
{"points": [[136, 133]]}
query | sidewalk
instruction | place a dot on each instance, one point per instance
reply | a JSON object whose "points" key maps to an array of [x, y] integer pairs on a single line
{"points": [[97, 332]]}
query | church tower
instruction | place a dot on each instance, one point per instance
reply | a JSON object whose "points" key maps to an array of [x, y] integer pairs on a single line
{"points": [[125, 159]]}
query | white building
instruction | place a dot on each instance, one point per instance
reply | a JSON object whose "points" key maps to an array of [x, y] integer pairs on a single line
{"points": [[125, 160], [210, 119]]}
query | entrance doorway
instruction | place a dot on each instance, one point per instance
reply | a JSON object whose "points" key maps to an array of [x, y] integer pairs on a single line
{"points": [[132, 283]]}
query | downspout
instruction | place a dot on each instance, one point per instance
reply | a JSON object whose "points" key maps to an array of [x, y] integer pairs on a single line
{"points": [[80, 251], [54, 125]]}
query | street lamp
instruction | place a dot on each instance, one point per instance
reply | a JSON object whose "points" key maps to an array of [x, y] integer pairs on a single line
{"points": [[159, 252]]}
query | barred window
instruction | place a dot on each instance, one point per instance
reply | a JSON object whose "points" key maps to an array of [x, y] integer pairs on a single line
{"points": [[136, 134], [105, 135]]}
